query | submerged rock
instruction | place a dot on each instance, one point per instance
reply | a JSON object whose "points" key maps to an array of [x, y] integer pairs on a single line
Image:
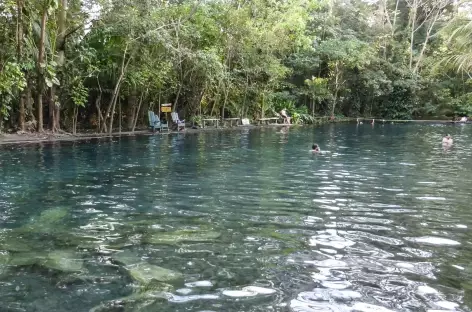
{"points": [[4, 262], [146, 273], [143, 272], [126, 258], [133, 302], [49, 221], [27, 258], [51, 216], [170, 238], [14, 244], [65, 261]]}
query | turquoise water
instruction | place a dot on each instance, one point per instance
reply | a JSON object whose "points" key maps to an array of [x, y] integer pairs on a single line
{"points": [[244, 220]]}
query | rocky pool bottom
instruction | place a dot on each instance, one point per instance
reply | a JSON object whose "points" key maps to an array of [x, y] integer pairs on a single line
{"points": [[244, 220]]}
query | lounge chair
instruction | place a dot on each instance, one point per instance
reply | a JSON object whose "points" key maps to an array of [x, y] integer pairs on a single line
{"points": [[180, 123], [155, 122], [164, 125]]}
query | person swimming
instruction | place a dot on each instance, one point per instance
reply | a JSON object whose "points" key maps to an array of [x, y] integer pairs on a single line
{"points": [[315, 148], [447, 140]]}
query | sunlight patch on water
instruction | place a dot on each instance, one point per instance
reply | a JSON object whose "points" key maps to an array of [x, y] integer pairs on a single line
{"points": [[431, 198], [447, 305], [336, 284], [330, 263], [328, 207], [330, 238], [365, 307], [259, 290], [313, 302], [432, 240], [238, 293], [199, 284], [183, 299], [426, 290]]}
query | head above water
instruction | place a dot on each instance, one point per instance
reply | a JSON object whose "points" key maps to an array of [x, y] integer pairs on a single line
{"points": [[315, 147], [448, 135]]}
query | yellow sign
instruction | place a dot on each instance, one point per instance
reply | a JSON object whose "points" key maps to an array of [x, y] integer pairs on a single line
{"points": [[166, 108]]}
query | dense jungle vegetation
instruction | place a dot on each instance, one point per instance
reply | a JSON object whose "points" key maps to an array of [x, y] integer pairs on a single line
{"points": [[69, 65]]}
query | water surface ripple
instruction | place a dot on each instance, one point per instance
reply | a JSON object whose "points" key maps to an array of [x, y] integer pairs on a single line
{"points": [[244, 220]]}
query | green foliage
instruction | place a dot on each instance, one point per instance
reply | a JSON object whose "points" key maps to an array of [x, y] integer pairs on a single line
{"points": [[245, 59], [463, 105], [11, 81], [79, 94]]}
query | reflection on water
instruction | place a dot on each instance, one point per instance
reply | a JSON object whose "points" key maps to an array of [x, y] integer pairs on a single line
{"points": [[245, 220]]}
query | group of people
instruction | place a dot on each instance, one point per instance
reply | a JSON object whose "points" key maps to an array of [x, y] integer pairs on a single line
{"points": [[446, 142]]}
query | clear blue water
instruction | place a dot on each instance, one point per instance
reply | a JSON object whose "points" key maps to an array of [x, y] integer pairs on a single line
{"points": [[247, 220]]}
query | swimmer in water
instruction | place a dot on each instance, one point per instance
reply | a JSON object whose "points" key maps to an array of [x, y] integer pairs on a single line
{"points": [[447, 140], [315, 148]]}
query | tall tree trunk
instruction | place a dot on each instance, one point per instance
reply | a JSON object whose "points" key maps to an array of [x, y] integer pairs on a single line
{"points": [[224, 104], [19, 36], [426, 40], [245, 95], [119, 115], [52, 103], [112, 106], [74, 119], [116, 91], [177, 97], [395, 14], [336, 88], [138, 110], [394, 25], [98, 105], [262, 105], [131, 109], [99, 113], [54, 110], [412, 35], [39, 95], [29, 99], [181, 82], [313, 108]]}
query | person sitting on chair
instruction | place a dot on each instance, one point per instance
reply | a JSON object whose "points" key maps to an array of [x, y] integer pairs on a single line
{"points": [[285, 116]]}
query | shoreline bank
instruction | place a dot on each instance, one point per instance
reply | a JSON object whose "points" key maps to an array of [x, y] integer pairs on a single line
{"points": [[48, 137]]}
